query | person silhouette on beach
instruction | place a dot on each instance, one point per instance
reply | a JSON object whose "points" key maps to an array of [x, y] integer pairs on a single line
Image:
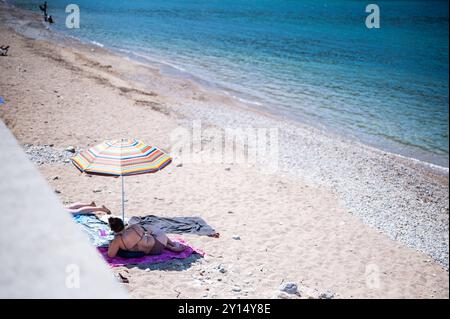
{"points": [[43, 8], [47, 18], [138, 238], [86, 208]]}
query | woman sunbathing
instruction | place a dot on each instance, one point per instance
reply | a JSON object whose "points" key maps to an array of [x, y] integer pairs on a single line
{"points": [[82, 208], [138, 238]]}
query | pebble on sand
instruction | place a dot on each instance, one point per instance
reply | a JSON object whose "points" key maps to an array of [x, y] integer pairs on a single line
{"points": [[289, 287], [236, 237], [70, 149], [284, 295], [222, 268], [326, 295]]}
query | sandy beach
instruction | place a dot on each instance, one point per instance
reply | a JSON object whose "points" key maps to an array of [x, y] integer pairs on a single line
{"points": [[337, 216]]}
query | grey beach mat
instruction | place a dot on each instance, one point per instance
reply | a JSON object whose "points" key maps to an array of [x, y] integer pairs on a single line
{"points": [[176, 225]]}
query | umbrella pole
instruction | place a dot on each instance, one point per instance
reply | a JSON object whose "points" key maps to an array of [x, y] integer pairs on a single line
{"points": [[123, 202]]}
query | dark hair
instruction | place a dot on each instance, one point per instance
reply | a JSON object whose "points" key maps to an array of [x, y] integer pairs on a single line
{"points": [[116, 224]]}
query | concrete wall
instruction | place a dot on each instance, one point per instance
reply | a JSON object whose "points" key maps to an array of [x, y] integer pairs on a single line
{"points": [[41, 249]]}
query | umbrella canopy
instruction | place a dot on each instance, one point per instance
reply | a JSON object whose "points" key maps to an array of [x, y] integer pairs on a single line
{"points": [[121, 158]]}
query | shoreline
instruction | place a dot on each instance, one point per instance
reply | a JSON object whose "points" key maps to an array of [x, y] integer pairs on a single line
{"points": [[325, 179], [413, 153]]}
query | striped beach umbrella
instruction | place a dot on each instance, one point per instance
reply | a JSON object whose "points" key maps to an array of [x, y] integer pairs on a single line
{"points": [[123, 157]]}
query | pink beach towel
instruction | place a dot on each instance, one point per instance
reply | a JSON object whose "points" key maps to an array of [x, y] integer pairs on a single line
{"points": [[151, 259]]}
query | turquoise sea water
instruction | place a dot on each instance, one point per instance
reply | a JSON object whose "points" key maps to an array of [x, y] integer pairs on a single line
{"points": [[312, 60]]}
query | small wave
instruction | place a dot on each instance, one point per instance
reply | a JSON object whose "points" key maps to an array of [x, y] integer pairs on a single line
{"points": [[247, 101], [98, 44], [153, 59], [425, 163], [179, 68]]}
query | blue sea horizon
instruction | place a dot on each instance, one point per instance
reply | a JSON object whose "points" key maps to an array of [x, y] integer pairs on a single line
{"points": [[312, 61]]}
